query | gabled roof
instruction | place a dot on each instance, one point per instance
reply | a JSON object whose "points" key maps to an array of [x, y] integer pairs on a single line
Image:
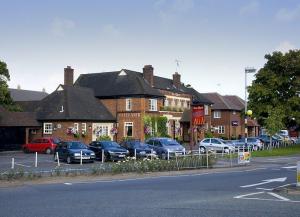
{"points": [[17, 119], [236, 101], [73, 103], [28, 106], [26, 95], [117, 84], [198, 98], [220, 102]]}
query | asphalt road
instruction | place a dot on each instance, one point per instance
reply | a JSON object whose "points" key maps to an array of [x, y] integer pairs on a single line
{"points": [[208, 194]]}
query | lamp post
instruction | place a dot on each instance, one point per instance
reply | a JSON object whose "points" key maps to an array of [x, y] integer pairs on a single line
{"points": [[247, 71]]}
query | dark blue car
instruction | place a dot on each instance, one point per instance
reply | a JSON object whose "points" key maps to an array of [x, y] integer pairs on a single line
{"points": [[112, 150], [73, 151], [138, 148]]}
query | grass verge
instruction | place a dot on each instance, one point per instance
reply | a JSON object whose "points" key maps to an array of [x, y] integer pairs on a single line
{"points": [[284, 151]]}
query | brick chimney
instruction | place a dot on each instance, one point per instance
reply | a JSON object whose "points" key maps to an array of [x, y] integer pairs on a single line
{"points": [[148, 74], [176, 80], [69, 74]]}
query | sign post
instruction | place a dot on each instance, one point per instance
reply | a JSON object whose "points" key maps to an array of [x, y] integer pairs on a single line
{"points": [[298, 174]]}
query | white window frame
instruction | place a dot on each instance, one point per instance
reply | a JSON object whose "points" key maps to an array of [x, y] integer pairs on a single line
{"points": [[205, 109], [128, 104], [128, 124], [76, 127], [166, 102], [83, 127], [48, 128], [217, 114], [221, 129], [152, 104]]}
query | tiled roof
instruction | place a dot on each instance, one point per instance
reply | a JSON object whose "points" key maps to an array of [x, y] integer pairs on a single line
{"points": [[73, 103], [26, 95], [117, 84], [221, 103], [17, 119], [236, 101]]}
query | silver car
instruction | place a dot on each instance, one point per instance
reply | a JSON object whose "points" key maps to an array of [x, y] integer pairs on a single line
{"points": [[216, 145]]}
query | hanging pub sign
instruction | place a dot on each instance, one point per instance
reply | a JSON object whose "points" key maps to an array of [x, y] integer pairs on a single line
{"points": [[198, 115]]}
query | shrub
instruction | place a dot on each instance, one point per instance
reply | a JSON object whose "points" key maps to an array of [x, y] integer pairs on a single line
{"points": [[103, 138]]}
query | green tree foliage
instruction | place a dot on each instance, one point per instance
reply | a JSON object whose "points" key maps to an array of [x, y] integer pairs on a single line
{"points": [[5, 99], [277, 87]]}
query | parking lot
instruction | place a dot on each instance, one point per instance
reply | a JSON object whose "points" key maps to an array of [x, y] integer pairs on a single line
{"points": [[45, 163]]}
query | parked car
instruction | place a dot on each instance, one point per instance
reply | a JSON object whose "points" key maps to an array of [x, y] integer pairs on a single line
{"points": [[162, 146], [112, 150], [215, 144], [71, 152], [253, 142], [46, 145], [142, 150], [266, 139]]}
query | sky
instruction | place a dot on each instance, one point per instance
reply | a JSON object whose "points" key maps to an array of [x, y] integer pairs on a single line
{"points": [[213, 40]]}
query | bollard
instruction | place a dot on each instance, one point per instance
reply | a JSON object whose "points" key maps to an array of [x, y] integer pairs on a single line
{"points": [[134, 154], [151, 156], [57, 157], [222, 152], [168, 154], [199, 152], [13, 163], [80, 157], [35, 163], [102, 156], [207, 159], [230, 158]]}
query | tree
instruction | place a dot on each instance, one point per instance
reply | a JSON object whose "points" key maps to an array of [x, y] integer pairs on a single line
{"points": [[5, 99], [276, 87], [274, 122]]}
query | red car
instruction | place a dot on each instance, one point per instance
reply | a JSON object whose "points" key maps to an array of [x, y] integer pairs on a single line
{"points": [[46, 145]]}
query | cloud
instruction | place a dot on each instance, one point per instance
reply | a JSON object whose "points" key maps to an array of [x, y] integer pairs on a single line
{"points": [[60, 27], [250, 9], [169, 12], [110, 30], [285, 46], [285, 14]]}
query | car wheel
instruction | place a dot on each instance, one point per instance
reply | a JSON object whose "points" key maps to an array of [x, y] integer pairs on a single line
{"points": [[226, 150], [69, 161], [202, 150], [48, 151]]}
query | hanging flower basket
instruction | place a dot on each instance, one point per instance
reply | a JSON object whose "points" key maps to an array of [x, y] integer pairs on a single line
{"points": [[147, 130], [113, 131]]}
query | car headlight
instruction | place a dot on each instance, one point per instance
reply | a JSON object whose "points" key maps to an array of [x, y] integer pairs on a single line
{"points": [[111, 152], [92, 153], [76, 154]]}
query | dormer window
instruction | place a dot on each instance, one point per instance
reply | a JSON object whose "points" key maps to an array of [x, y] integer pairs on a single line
{"points": [[122, 73]]}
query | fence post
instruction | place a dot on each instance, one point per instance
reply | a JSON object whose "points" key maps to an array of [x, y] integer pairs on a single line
{"points": [[134, 154], [13, 163], [207, 159], [199, 152], [230, 158], [151, 156], [80, 157], [57, 157], [222, 152], [35, 162], [102, 156], [168, 154]]}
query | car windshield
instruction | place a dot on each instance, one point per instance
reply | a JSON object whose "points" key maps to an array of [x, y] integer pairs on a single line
{"points": [[77, 145], [109, 144], [169, 142], [138, 144]]}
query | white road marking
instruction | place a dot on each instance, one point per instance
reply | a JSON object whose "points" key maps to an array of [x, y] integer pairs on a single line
{"points": [[22, 165], [290, 167], [265, 182], [278, 196], [246, 195], [265, 189], [67, 183]]}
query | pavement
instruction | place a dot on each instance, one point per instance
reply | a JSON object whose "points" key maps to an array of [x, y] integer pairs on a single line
{"points": [[241, 192]]}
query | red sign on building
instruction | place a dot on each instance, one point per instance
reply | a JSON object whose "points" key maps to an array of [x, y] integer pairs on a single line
{"points": [[198, 115]]}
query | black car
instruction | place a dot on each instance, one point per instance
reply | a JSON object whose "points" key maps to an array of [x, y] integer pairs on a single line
{"points": [[112, 150], [71, 152], [139, 148]]}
